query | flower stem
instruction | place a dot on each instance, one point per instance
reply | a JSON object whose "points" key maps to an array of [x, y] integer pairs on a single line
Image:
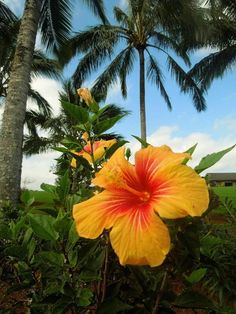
{"points": [[104, 283], [159, 294]]}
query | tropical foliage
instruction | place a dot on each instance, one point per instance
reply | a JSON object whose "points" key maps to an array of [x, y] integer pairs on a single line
{"points": [[57, 271], [56, 129]]}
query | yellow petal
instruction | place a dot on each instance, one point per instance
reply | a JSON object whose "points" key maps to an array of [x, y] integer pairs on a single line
{"points": [[101, 148], [140, 238], [90, 216], [100, 212], [117, 172], [186, 193]]}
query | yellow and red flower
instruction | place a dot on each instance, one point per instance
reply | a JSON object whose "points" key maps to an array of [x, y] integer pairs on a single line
{"points": [[97, 149], [134, 199]]}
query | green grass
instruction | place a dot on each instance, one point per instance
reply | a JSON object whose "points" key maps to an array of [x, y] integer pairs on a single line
{"points": [[42, 197], [224, 193]]}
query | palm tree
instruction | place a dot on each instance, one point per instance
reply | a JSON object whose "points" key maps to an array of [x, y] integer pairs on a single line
{"points": [[147, 27], [222, 38], [53, 18]]}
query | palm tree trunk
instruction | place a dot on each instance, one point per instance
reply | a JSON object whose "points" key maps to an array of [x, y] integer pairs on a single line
{"points": [[142, 94], [11, 135]]}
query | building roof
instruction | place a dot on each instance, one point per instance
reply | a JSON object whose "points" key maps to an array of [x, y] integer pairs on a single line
{"points": [[224, 176]]}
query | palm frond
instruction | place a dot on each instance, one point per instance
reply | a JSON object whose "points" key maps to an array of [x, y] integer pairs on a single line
{"points": [[166, 42], [34, 144], [43, 66], [113, 110], [6, 15], [125, 69], [69, 93], [55, 22], [155, 75], [34, 119], [44, 107], [122, 17], [97, 7], [91, 62], [187, 84], [110, 75], [96, 37], [213, 66]]}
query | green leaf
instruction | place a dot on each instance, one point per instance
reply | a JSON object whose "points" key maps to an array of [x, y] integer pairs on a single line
{"points": [[18, 251], [48, 188], [211, 159], [196, 275], [73, 237], [62, 224], [113, 305], [27, 198], [31, 248], [5, 232], [60, 149], [42, 226], [194, 300], [63, 187], [79, 114], [105, 125], [52, 258], [189, 151], [73, 257], [94, 107], [84, 297], [144, 143]]}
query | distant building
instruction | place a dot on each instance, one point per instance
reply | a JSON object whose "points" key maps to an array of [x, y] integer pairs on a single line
{"points": [[221, 179]]}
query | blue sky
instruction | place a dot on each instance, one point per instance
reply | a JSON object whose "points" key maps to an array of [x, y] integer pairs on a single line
{"points": [[214, 129]]}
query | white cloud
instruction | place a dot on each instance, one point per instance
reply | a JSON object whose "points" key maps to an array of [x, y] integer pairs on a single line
{"points": [[227, 123], [206, 145], [49, 89], [38, 169]]}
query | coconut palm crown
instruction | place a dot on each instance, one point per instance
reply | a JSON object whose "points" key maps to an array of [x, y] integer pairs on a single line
{"points": [[221, 39], [146, 30]]}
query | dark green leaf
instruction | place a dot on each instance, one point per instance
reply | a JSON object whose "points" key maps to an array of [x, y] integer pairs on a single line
{"points": [[105, 125], [27, 198], [73, 257], [84, 297], [73, 237], [196, 275], [42, 226], [5, 232], [113, 305], [48, 188], [211, 159], [79, 114], [52, 258], [192, 299], [189, 151], [18, 251], [143, 142], [63, 187]]}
